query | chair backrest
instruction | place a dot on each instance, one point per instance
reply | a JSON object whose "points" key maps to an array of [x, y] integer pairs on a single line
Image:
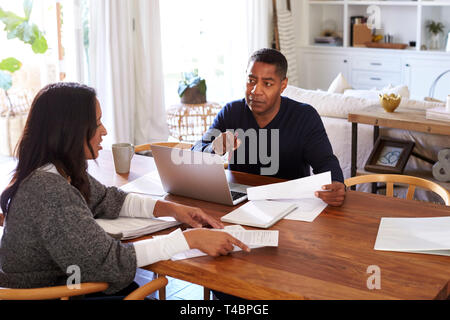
{"points": [[148, 146], [47, 293], [64, 292], [411, 181]]}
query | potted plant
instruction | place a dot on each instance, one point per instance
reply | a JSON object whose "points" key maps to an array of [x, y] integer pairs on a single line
{"points": [[435, 28], [12, 119], [29, 33], [192, 88]]}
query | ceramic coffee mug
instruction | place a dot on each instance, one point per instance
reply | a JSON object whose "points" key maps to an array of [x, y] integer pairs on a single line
{"points": [[122, 155]]}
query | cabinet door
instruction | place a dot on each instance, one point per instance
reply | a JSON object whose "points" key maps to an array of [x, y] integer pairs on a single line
{"points": [[322, 69], [420, 74]]}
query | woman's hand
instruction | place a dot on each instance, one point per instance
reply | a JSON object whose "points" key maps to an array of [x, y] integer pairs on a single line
{"points": [[212, 242], [195, 217]]}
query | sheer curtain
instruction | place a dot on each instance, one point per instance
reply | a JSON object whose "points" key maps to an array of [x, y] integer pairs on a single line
{"points": [[125, 62], [259, 24]]}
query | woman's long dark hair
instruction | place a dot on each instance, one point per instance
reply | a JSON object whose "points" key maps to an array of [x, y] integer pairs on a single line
{"points": [[62, 118]]}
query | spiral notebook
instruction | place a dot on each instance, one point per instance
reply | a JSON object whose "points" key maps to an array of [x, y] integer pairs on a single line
{"points": [[260, 213]]}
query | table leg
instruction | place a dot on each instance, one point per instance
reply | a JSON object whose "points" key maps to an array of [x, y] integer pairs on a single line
{"points": [[376, 134], [206, 293], [354, 151]]}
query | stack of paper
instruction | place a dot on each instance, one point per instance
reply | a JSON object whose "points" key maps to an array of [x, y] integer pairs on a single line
{"points": [[125, 228], [438, 113], [147, 184], [418, 235], [260, 214], [300, 192]]}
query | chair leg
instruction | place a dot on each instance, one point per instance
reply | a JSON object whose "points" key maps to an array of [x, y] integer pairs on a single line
{"points": [[206, 294], [162, 291]]}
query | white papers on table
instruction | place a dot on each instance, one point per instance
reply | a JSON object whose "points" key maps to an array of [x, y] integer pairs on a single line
{"points": [[125, 228], [307, 209], [418, 235], [294, 189], [260, 214], [147, 184], [252, 238], [300, 192]]}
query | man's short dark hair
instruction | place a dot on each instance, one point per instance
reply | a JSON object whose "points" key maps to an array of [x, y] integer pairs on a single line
{"points": [[273, 57]]}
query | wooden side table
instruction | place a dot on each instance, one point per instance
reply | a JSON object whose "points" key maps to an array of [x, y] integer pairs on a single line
{"points": [[402, 118], [188, 122]]}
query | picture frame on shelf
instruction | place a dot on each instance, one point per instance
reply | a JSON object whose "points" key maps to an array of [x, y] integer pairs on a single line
{"points": [[389, 156]]}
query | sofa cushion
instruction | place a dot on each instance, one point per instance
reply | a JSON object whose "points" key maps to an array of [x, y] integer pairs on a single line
{"points": [[372, 94], [328, 104], [339, 105]]}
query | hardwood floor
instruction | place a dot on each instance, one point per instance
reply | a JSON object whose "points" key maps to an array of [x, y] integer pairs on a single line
{"points": [[175, 290]]}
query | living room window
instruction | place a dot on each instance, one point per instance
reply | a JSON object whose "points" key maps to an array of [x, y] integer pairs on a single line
{"points": [[208, 35], [59, 61]]}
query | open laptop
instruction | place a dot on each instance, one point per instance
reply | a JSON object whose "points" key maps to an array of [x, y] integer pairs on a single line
{"points": [[197, 175]]}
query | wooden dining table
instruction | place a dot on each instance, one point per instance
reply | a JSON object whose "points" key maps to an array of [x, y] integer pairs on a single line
{"points": [[332, 257]]}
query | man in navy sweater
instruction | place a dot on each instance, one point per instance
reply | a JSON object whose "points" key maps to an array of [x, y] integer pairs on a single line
{"points": [[268, 134]]}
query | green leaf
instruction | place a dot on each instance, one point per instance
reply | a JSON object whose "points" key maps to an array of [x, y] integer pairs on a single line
{"points": [[27, 7], [5, 81], [10, 64], [202, 86], [39, 45]]}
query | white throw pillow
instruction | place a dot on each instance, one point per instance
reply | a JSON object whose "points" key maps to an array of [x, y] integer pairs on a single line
{"points": [[328, 104], [401, 90], [339, 84]]}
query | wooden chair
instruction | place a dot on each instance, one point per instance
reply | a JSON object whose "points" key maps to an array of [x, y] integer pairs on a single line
{"points": [[64, 292], [411, 181]]}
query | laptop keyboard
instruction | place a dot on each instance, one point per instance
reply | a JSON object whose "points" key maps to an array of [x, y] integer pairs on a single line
{"points": [[236, 195]]}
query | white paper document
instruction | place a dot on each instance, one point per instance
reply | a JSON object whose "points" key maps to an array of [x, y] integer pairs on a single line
{"points": [[252, 238], [260, 214], [147, 184], [125, 228], [418, 235], [294, 189], [307, 209], [266, 238]]}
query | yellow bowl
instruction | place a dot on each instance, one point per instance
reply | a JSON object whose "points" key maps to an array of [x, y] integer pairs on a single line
{"points": [[390, 102]]}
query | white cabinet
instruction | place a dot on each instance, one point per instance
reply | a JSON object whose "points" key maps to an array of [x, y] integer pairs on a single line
{"points": [[420, 74], [319, 70], [375, 71]]}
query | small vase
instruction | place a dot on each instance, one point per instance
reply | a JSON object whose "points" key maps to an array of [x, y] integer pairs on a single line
{"points": [[435, 43]]}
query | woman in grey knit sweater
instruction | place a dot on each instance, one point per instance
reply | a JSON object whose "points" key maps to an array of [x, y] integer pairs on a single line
{"points": [[51, 204]]}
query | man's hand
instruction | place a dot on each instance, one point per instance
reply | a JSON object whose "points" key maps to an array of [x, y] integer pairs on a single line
{"points": [[226, 142], [333, 194]]}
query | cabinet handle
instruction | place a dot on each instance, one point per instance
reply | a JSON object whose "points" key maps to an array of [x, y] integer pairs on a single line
{"points": [[375, 64], [374, 78]]}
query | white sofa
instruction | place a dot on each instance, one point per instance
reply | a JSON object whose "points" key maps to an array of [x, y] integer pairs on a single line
{"points": [[334, 108]]}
